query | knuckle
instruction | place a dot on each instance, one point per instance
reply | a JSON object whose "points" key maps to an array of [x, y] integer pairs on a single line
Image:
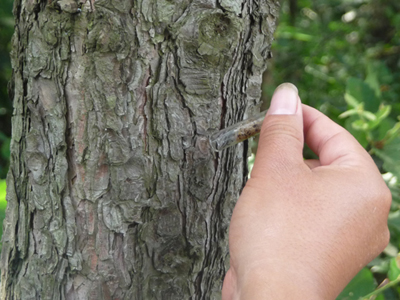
{"points": [[386, 198], [382, 199], [384, 239], [379, 195]]}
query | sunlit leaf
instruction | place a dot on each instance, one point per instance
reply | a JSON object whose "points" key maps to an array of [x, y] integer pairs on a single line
{"points": [[382, 267], [393, 133], [394, 270], [369, 115], [362, 92], [290, 32], [390, 155], [383, 112], [348, 113], [358, 134], [351, 100], [360, 125], [391, 250], [379, 117], [3, 202], [295, 36]]}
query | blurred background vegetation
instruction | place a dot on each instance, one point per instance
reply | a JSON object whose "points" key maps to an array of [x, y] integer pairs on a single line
{"points": [[344, 56], [6, 31]]}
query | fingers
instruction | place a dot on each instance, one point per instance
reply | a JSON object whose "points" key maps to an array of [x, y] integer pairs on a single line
{"points": [[229, 285], [312, 163], [331, 142], [284, 130], [281, 138]]}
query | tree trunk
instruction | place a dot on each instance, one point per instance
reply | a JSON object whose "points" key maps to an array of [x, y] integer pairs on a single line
{"points": [[113, 191]]}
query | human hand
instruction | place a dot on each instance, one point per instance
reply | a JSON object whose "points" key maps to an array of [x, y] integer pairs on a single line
{"points": [[303, 229]]}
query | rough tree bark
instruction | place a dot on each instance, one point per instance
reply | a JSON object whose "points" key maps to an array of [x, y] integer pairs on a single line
{"points": [[113, 191]]}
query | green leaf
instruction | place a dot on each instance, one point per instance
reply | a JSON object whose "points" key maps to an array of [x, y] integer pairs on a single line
{"points": [[384, 127], [348, 113], [350, 100], [394, 270], [3, 187], [8, 22], [290, 32], [363, 283], [359, 135], [381, 297], [362, 92], [295, 36], [369, 115], [372, 79], [380, 116], [393, 132], [391, 250], [360, 125], [381, 267], [3, 204], [383, 112], [394, 220], [390, 154], [5, 148]]}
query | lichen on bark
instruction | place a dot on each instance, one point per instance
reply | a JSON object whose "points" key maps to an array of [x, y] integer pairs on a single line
{"points": [[113, 190]]}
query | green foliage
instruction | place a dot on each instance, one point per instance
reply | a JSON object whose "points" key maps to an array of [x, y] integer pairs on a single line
{"points": [[3, 204], [4, 154], [368, 117], [6, 31], [394, 271], [370, 121]]}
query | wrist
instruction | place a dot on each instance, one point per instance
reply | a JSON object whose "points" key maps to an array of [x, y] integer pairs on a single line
{"points": [[281, 283]]}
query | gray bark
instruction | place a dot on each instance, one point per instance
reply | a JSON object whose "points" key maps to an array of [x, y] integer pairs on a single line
{"points": [[113, 191]]}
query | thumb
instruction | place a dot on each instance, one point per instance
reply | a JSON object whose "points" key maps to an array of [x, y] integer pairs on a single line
{"points": [[281, 138]]}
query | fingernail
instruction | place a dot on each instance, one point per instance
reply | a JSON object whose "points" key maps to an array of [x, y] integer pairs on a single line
{"points": [[284, 101]]}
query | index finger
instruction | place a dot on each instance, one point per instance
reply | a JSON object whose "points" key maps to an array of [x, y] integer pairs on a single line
{"points": [[333, 144]]}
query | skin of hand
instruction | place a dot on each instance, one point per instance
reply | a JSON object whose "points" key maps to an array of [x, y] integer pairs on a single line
{"points": [[302, 229]]}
